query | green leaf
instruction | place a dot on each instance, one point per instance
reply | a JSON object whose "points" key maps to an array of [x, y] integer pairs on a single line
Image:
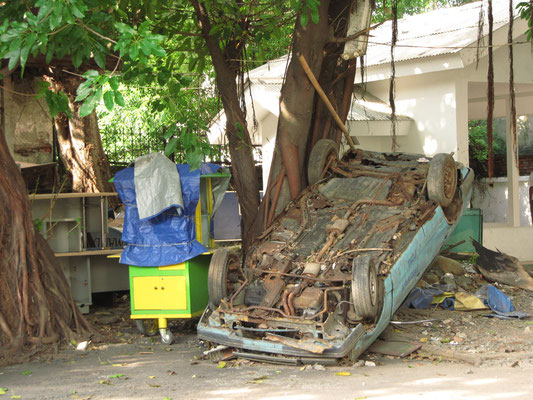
{"points": [[99, 57], [171, 146], [113, 82], [133, 51], [76, 11], [109, 99], [146, 47], [314, 15], [13, 59], [194, 159], [25, 51], [158, 51], [88, 106], [119, 99], [3, 390], [170, 132], [50, 53], [83, 92], [215, 29], [77, 57], [27, 372], [56, 16], [91, 73], [304, 18], [45, 8], [116, 376]]}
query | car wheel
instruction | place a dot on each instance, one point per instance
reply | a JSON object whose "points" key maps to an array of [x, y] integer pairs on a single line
{"points": [[367, 288], [147, 327], [318, 159], [442, 179], [217, 279]]}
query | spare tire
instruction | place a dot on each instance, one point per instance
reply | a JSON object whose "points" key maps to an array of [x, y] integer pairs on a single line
{"points": [[442, 179], [319, 157]]}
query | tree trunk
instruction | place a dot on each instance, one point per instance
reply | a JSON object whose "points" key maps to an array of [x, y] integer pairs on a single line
{"points": [[243, 169], [80, 144], [302, 111], [36, 306]]}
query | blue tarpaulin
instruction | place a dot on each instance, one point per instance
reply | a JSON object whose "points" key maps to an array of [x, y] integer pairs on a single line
{"points": [[168, 238]]}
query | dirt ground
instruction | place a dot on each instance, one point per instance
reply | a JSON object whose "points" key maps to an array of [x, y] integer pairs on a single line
{"points": [[464, 355]]}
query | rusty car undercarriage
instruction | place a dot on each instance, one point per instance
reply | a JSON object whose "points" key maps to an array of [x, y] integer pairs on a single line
{"points": [[324, 280]]}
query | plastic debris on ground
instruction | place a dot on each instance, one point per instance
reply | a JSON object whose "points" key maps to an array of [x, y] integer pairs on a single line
{"points": [[487, 296]]}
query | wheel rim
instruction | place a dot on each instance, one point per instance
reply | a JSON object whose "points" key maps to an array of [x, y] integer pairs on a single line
{"points": [[449, 180], [234, 266], [373, 287]]}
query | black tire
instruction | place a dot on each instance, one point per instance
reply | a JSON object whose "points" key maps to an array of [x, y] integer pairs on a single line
{"points": [[367, 288], [218, 274], [442, 179], [318, 159], [147, 327]]}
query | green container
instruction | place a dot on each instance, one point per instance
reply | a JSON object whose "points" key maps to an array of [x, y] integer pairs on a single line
{"points": [[470, 226], [172, 291]]}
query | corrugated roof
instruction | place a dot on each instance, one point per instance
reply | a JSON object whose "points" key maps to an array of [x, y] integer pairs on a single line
{"points": [[442, 31], [366, 107]]}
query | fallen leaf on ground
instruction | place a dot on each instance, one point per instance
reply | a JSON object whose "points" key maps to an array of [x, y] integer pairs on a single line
{"points": [[221, 364], [255, 382], [26, 372], [105, 382], [154, 385], [151, 376], [3, 390], [16, 397], [342, 373]]}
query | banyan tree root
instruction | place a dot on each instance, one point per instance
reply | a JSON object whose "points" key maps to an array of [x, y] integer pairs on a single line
{"points": [[37, 311]]}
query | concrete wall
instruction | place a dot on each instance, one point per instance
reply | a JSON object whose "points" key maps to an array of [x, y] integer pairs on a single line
{"points": [[431, 100], [515, 241], [492, 198], [28, 125]]}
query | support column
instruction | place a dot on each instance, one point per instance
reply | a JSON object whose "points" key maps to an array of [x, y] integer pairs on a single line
{"points": [[513, 172], [461, 120]]}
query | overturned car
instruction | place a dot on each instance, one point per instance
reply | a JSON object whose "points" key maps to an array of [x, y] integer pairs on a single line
{"points": [[324, 281]]}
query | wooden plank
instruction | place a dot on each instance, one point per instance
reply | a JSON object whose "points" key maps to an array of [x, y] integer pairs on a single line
{"points": [[89, 253], [48, 196]]}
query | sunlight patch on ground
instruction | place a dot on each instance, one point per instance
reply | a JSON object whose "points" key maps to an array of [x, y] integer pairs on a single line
{"points": [[290, 397], [227, 392]]}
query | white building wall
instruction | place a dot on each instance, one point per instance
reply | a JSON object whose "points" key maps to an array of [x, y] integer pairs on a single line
{"points": [[430, 99], [268, 126]]}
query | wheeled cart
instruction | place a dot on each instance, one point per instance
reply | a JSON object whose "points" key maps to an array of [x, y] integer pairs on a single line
{"points": [[173, 291], [168, 254]]}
